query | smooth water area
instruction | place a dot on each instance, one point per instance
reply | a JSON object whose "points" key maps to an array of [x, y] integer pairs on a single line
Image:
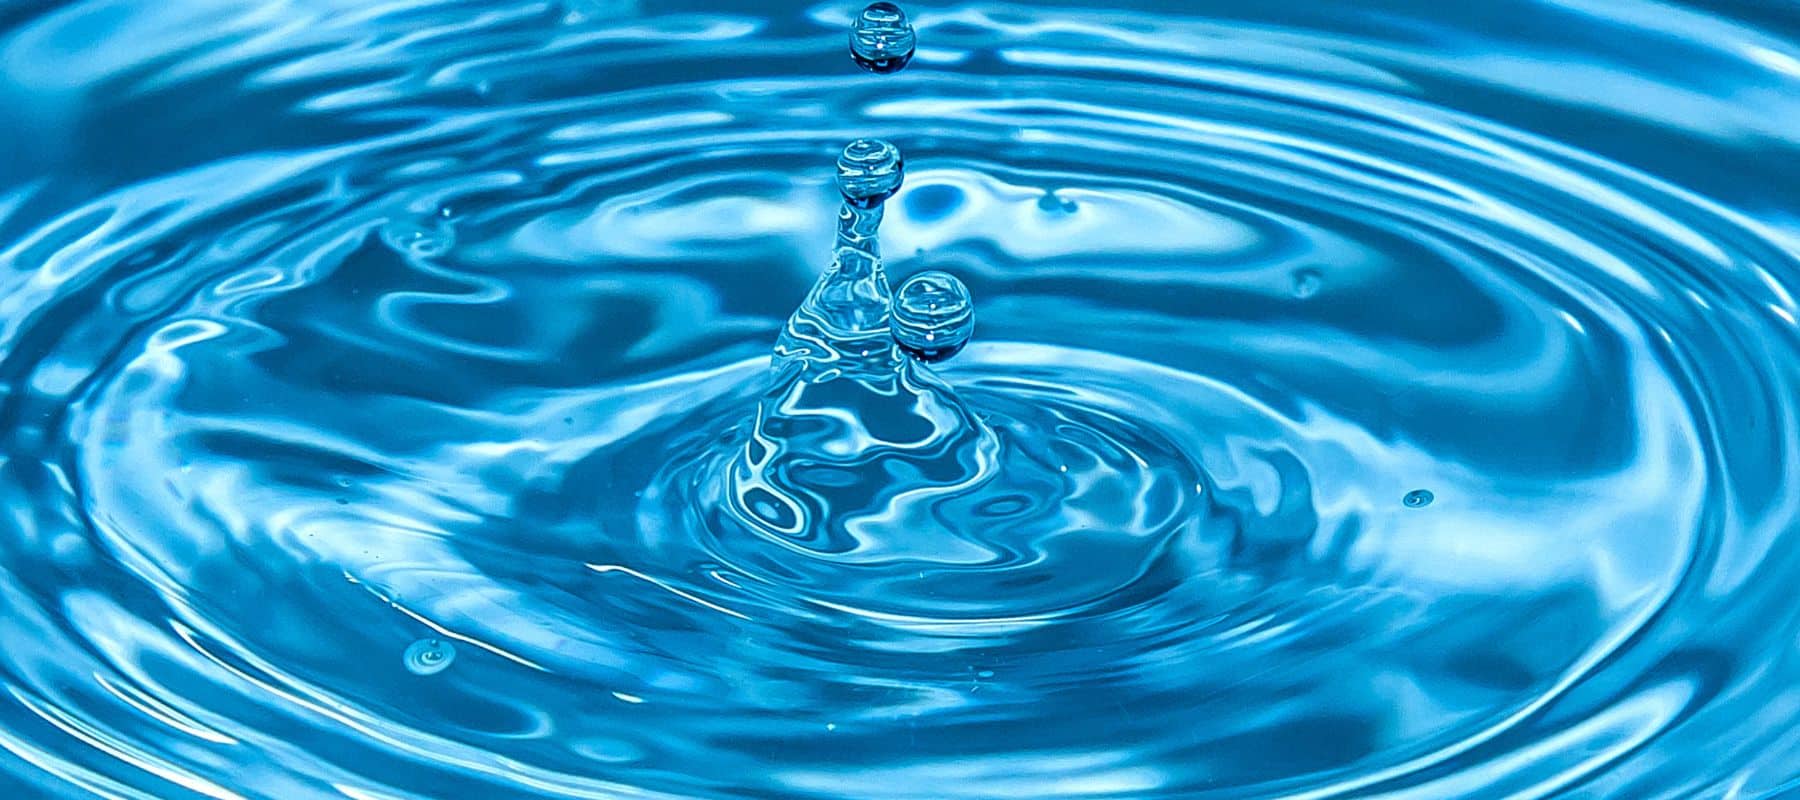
{"points": [[570, 399]]}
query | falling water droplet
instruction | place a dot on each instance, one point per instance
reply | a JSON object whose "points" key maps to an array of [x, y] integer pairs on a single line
{"points": [[1306, 283], [1418, 498], [933, 316], [429, 656], [869, 171], [882, 39]]}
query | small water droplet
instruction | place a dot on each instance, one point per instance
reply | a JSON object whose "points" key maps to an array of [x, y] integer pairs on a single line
{"points": [[831, 726], [882, 39], [343, 501], [1306, 283], [344, 482], [986, 673], [445, 212], [933, 316], [1418, 498], [869, 172], [429, 656]]}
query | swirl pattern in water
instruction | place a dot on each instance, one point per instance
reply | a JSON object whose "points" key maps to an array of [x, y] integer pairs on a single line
{"points": [[444, 398]]}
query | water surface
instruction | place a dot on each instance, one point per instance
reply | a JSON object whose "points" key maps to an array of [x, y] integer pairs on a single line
{"points": [[1384, 399]]}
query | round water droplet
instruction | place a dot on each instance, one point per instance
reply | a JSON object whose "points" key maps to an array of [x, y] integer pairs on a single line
{"points": [[882, 39], [1418, 498], [429, 656], [933, 316], [869, 172], [1306, 283]]}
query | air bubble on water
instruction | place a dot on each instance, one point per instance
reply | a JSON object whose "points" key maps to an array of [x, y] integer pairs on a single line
{"points": [[933, 316], [869, 172], [429, 656], [1418, 498], [882, 39], [1307, 282]]}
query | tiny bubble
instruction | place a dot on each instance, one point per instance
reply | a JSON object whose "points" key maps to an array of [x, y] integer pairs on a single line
{"points": [[831, 726], [1418, 498], [343, 502]]}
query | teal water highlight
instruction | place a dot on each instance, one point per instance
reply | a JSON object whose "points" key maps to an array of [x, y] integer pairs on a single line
{"points": [[1376, 400]]}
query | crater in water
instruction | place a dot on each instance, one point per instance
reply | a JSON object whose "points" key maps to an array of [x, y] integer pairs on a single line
{"points": [[1362, 404]]}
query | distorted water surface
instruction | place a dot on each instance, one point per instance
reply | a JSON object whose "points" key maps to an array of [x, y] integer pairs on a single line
{"points": [[1380, 399]]}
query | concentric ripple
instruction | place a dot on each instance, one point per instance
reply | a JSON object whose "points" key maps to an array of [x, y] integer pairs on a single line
{"points": [[377, 385]]}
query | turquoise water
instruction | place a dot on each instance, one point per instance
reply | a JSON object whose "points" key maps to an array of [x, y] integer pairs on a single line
{"points": [[1380, 399]]}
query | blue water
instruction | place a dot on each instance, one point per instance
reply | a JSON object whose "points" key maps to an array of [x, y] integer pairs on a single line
{"points": [[496, 399]]}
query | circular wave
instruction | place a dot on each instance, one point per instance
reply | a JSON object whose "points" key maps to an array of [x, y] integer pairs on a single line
{"points": [[448, 343]]}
